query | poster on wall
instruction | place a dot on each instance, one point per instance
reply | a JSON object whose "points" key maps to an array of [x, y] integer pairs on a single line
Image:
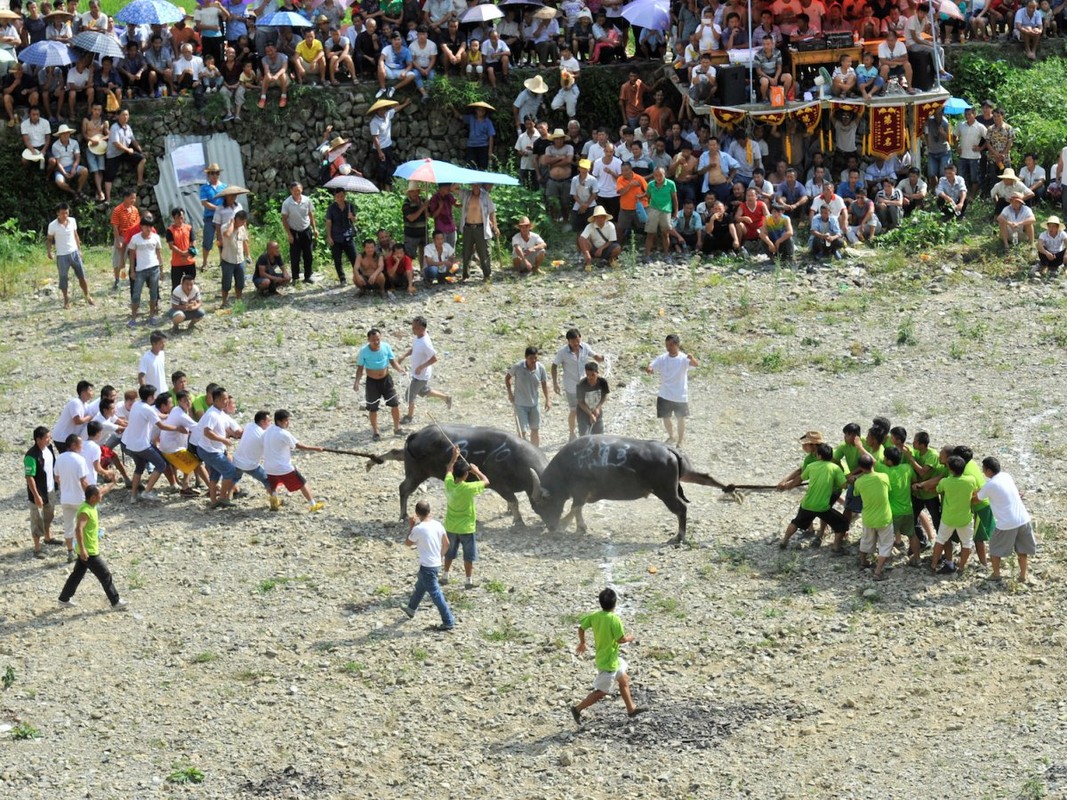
{"points": [[189, 164]]}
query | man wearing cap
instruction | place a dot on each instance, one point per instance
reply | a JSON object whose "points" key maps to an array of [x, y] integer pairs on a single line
{"points": [[521, 382], [147, 250], [808, 442], [598, 239], [66, 161], [122, 148], [1003, 190], [209, 200], [36, 138], [1016, 218], [529, 100], [394, 64], [478, 213], [63, 235], [557, 159], [528, 249], [1050, 246]]}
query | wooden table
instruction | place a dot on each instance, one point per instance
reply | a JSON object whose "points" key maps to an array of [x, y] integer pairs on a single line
{"points": [[815, 58]]}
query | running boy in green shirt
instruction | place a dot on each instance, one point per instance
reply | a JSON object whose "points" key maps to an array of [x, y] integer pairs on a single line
{"points": [[607, 636], [825, 478], [460, 518], [87, 532]]}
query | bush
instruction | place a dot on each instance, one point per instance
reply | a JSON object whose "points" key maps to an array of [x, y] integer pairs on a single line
{"points": [[919, 232]]}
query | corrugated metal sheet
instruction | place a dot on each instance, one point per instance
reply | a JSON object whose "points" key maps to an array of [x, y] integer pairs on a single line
{"points": [[218, 147]]}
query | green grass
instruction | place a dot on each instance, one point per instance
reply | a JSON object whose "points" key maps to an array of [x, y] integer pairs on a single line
{"points": [[496, 587], [182, 773], [353, 668], [24, 730], [505, 633], [205, 658]]}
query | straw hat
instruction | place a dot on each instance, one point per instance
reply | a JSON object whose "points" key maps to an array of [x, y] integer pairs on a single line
{"points": [[213, 167], [1053, 220], [811, 437], [1017, 196], [31, 155], [599, 211], [524, 222], [536, 84], [545, 13], [1009, 173], [10, 16], [558, 134], [585, 163], [338, 141], [480, 104], [63, 14], [64, 128], [380, 104], [98, 145], [413, 186]]}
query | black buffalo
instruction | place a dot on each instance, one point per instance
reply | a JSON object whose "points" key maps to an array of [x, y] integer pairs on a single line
{"points": [[510, 463], [613, 468]]}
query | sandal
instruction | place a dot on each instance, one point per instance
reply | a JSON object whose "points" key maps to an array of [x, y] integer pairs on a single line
{"points": [[283, 101]]}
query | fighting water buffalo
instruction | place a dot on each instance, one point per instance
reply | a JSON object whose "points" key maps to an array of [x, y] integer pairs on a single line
{"points": [[511, 464], [613, 468]]}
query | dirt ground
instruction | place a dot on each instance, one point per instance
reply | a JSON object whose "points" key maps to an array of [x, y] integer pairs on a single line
{"points": [[268, 652]]}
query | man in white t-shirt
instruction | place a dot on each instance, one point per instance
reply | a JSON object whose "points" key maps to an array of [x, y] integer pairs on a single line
{"points": [[423, 357], [148, 252], [893, 59], [278, 447], [439, 260], [211, 437], [429, 537], [153, 365], [598, 239], [248, 456], [36, 138], [827, 197], [74, 416], [65, 158], [672, 400], [137, 443], [72, 475], [423, 60], [1014, 532], [63, 236], [571, 360]]}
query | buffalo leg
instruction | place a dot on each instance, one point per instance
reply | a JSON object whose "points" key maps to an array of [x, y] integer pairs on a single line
{"points": [[513, 507], [407, 487], [677, 506]]}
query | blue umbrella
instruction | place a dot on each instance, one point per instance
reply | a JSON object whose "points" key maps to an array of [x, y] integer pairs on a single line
{"points": [[286, 19], [150, 12], [428, 170], [956, 106], [46, 53], [655, 14]]}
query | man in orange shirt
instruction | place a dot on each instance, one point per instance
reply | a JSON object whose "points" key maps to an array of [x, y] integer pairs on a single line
{"points": [[660, 115], [125, 222], [182, 252], [632, 99], [632, 188]]}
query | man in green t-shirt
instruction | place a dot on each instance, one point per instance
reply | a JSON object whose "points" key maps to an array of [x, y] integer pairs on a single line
{"points": [[608, 634], [957, 492], [877, 516], [901, 477], [926, 464], [984, 524], [662, 208], [825, 479], [460, 518], [87, 534]]}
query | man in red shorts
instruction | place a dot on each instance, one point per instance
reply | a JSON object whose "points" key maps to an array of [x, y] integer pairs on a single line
{"points": [[278, 446]]}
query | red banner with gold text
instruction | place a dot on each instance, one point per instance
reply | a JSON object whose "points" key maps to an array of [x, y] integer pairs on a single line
{"points": [[888, 131]]}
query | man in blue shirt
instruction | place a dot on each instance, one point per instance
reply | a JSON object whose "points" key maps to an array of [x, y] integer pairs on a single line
{"points": [[394, 65], [375, 357], [826, 238]]}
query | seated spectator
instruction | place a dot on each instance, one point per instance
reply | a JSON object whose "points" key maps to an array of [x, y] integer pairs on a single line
{"points": [[893, 60], [310, 59], [776, 234], [765, 190], [271, 274], [211, 75], [598, 239], [394, 64], [651, 44], [686, 227], [718, 235], [367, 50], [868, 81], [1050, 247], [1017, 218], [734, 34], [702, 82], [889, 204], [233, 87], [838, 209], [275, 72], [791, 194], [863, 223], [19, 91], [123, 149], [496, 58], [160, 70], [36, 139], [80, 85], [186, 303], [339, 57], [768, 64], [749, 217], [1028, 28], [826, 237], [1032, 175], [843, 81], [913, 191], [134, 71], [439, 260], [528, 248], [66, 161], [848, 189], [1003, 190], [187, 70], [767, 30], [951, 195], [399, 274]]}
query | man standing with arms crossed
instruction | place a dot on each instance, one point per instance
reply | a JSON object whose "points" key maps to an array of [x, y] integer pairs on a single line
{"points": [[572, 357], [423, 357], [298, 219]]}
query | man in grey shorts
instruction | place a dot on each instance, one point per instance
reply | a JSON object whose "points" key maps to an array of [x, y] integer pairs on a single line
{"points": [[572, 357], [423, 357], [522, 394], [1014, 532]]}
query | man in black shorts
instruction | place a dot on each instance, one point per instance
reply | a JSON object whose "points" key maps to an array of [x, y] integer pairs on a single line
{"points": [[825, 479], [271, 274], [376, 357]]}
